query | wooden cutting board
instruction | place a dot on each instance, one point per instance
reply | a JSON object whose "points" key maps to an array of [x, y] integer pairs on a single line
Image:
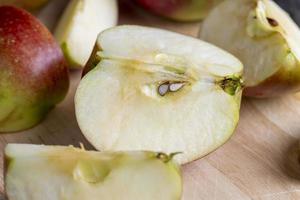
{"points": [[259, 161]]}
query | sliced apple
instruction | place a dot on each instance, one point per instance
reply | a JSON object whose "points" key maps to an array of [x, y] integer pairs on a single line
{"points": [[266, 40], [157, 90], [79, 26], [36, 172]]}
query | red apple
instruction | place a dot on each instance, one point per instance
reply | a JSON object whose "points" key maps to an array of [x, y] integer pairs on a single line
{"points": [[33, 73], [180, 10]]}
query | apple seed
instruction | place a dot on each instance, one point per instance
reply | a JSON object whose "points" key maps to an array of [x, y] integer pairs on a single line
{"points": [[174, 87], [272, 22], [163, 88]]}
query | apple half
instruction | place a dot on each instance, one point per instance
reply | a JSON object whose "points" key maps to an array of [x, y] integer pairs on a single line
{"points": [[37, 172], [157, 90], [264, 38], [79, 26]]}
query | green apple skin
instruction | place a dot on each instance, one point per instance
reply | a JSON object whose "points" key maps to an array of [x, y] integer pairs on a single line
{"points": [[180, 10], [33, 73], [30, 5], [92, 61]]}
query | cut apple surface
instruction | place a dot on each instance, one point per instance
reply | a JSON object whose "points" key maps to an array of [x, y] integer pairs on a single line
{"points": [[79, 26], [37, 172], [156, 90], [266, 40]]}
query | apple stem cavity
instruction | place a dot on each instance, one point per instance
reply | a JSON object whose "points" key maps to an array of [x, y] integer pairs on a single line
{"points": [[231, 85]]}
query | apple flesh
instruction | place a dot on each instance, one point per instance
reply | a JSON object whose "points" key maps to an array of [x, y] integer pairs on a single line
{"points": [[264, 38], [35, 172], [79, 26], [33, 74], [180, 10], [30, 5], [171, 93]]}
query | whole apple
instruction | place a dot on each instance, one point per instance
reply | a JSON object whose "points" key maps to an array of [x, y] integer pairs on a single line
{"points": [[26, 4], [179, 10], [33, 73]]}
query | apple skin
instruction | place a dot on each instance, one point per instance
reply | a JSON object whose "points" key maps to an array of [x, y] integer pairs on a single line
{"points": [[281, 83], [179, 10], [33, 73], [92, 61], [30, 5]]}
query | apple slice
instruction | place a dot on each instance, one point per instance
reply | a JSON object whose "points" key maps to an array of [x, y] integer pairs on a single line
{"points": [[79, 26], [36, 172], [159, 91], [266, 40]]}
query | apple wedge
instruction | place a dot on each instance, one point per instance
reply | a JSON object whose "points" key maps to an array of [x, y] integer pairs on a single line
{"points": [[37, 172], [264, 38], [79, 26], [156, 90]]}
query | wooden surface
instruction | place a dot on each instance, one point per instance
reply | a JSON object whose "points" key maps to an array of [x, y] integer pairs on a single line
{"points": [[259, 162]]}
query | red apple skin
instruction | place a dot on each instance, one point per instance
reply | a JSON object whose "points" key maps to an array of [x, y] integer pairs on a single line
{"points": [[179, 10], [33, 73]]}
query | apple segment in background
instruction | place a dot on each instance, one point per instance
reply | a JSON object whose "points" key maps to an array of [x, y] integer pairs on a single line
{"points": [[180, 10], [156, 90], [33, 74], [79, 26], [30, 5], [36, 172], [264, 38]]}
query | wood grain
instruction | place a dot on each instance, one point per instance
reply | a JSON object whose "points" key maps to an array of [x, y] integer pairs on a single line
{"points": [[259, 162]]}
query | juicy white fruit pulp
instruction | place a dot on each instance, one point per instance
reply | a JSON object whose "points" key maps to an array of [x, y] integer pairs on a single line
{"points": [[36, 172], [160, 91], [82, 21], [259, 33]]}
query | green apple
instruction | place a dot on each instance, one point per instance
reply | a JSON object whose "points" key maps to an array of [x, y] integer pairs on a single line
{"points": [[79, 26], [264, 38], [180, 10], [36, 172], [26, 4], [33, 73], [157, 90]]}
